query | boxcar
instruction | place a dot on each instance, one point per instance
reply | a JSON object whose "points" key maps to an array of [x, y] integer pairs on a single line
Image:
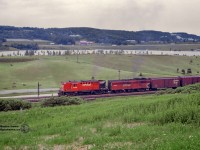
{"points": [[186, 80], [167, 82]]}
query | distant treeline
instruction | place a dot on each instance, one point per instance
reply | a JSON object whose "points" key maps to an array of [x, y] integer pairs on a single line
{"points": [[69, 36], [26, 46], [1, 41]]}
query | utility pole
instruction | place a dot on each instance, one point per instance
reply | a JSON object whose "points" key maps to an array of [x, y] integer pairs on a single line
{"points": [[77, 57], [119, 73], [38, 89]]}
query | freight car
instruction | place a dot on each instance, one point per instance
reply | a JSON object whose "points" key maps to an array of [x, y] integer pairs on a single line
{"points": [[186, 80], [164, 83], [124, 85]]}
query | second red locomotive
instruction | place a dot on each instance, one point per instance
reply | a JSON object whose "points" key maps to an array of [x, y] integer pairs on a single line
{"points": [[128, 85]]}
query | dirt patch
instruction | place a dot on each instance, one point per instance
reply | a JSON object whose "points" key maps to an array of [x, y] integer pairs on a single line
{"points": [[134, 124], [7, 148], [50, 137], [112, 124], [93, 130], [128, 125], [75, 147], [117, 145]]}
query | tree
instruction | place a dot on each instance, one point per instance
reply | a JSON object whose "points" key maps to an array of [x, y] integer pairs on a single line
{"points": [[183, 71], [189, 71], [31, 53], [67, 52], [26, 53], [25, 46]]}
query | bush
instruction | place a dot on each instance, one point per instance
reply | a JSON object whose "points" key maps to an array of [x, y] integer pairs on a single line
{"points": [[58, 101], [193, 88], [189, 71], [13, 104], [183, 71]]}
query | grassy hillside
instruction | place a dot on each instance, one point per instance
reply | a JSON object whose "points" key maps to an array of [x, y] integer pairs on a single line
{"points": [[50, 71], [137, 122]]}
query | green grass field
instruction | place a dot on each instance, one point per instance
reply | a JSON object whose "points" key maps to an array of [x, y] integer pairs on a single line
{"points": [[50, 71], [136, 122]]}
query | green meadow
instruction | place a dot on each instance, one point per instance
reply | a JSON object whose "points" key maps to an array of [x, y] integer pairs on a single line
{"points": [[51, 70], [161, 121], [168, 122]]}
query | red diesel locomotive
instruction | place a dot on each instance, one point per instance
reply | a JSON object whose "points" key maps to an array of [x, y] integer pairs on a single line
{"points": [[124, 85], [83, 87]]}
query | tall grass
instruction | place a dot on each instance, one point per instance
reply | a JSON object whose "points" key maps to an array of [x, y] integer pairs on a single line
{"points": [[142, 122]]}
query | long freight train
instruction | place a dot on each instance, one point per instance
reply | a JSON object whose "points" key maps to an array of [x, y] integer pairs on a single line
{"points": [[124, 85]]}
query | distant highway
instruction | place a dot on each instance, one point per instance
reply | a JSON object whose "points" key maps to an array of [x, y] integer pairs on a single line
{"points": [[27, 91], [35, 96]]}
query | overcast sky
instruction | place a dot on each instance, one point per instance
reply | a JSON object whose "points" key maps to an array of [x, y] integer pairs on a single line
{"points": [[131, 15]]}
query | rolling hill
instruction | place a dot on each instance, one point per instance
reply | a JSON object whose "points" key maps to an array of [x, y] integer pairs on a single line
{"points": [[68, 36]]}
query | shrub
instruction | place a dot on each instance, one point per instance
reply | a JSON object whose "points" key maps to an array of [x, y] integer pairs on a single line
{"points": [[13, 104], [187, 89], [183, 71], [189, 70], [58, 101]]}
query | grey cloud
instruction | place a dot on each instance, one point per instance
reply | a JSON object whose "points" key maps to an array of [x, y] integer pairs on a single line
{"points": [[164, 15], [3, 4], [128, 15]]}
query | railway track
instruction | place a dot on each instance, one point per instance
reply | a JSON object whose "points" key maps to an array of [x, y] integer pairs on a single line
{"points": [[36, 99], [91, 97]]}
